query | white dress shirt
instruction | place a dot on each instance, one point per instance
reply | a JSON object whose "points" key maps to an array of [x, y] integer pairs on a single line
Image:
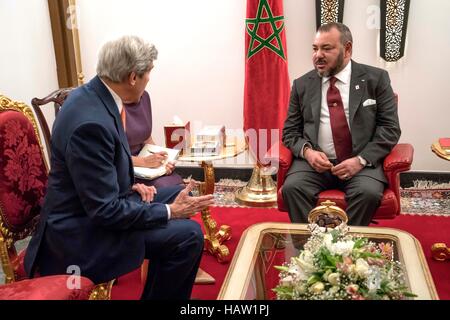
{"points": [[325, 138], [119, 104]]}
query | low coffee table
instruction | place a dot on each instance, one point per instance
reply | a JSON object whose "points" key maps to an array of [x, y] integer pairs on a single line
{"points": [[252, 275]]}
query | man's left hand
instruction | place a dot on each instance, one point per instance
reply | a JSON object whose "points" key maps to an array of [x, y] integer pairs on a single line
{"points": [[347, 169], [147, 193]]}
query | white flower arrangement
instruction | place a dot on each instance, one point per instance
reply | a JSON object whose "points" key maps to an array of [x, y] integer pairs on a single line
{"points": [[336, 266]]}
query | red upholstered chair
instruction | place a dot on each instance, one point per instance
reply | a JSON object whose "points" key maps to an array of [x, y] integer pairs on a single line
{"points": [[46, 288], [23, 179], [399, 160]]}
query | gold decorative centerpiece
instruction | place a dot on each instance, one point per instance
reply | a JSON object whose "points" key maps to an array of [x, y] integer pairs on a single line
{"points": [[260, 191], [334, 265], [327, 215]]}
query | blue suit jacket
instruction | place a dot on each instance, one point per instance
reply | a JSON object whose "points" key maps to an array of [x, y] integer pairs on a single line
{"points": [[89, 218]]}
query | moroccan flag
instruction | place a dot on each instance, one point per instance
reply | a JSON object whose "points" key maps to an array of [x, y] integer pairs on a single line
{"points": [[267, 87]]}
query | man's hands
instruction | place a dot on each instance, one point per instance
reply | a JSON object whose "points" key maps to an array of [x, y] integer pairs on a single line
{"points": [[185, 206], [344, 170], [147, 193], [317, 159], [347, 168]]}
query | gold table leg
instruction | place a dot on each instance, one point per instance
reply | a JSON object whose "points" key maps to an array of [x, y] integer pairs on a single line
{"points": [[440, 252], [214, 236]]}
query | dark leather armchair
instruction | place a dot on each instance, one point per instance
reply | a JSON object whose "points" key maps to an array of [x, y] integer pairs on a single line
{"points": [[399, 160]]}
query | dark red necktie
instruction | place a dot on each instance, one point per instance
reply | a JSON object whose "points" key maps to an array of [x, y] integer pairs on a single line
{"points": [[339, 127]]}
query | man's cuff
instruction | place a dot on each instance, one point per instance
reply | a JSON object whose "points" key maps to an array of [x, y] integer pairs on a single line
{"points": [[302, 152], [363, 161], [168, 212]]}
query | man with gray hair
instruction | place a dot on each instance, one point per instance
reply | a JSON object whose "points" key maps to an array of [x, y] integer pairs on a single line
{"points": [[341, 124], [94, 216]]}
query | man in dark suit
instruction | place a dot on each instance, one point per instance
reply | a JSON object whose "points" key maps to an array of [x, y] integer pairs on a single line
{"points": [[341, 124], [94, 218]]}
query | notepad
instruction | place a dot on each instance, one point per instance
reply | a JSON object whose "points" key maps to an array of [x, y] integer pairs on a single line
{"points": [[153, 173]]}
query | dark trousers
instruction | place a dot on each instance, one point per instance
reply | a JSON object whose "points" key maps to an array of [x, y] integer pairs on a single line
{"points": [[174, 251], [301, 189]]}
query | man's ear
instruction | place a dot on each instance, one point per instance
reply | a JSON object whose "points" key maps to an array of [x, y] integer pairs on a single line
{"points": [[348, 49], [132, 78]]}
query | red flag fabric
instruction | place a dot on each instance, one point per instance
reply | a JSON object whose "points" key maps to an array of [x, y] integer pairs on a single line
{"points": [[267, 87]]}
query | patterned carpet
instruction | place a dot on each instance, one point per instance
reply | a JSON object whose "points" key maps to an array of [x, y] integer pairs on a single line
{"points": [[425, 201], [422, 199]]}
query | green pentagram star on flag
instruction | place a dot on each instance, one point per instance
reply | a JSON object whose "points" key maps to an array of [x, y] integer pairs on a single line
{"points": [[272, 41], [266, 87]]}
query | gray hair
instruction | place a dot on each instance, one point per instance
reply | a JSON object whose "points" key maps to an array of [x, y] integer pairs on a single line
{"points": [[118, 58], [346, 34]]}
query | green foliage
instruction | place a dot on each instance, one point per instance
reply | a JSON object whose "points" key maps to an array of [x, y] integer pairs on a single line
{"points": [[282, 268], [343, 268], [284, 293]]}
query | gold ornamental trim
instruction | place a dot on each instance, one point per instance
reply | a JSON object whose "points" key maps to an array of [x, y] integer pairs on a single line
{"points": [[6, 262], [76, 43], [102, 291], [440, 252]]}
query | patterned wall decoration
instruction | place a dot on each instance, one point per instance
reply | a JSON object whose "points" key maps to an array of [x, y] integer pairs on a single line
{"points": [[394, 21], [329, 11]]}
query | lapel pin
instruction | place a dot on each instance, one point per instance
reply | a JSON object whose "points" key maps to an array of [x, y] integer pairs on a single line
{"points": [[357, 87]]}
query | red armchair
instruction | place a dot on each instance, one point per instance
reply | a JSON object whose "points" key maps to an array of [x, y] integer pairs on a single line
{"points": [[399, 160], [46, 288], [23, 179]]}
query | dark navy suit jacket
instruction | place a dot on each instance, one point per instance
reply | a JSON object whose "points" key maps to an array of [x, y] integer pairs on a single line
{"points": [[90, 218]]}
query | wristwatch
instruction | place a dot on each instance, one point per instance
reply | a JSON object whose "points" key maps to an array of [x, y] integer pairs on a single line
{"points": [[362, 161], [307, 145]]}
